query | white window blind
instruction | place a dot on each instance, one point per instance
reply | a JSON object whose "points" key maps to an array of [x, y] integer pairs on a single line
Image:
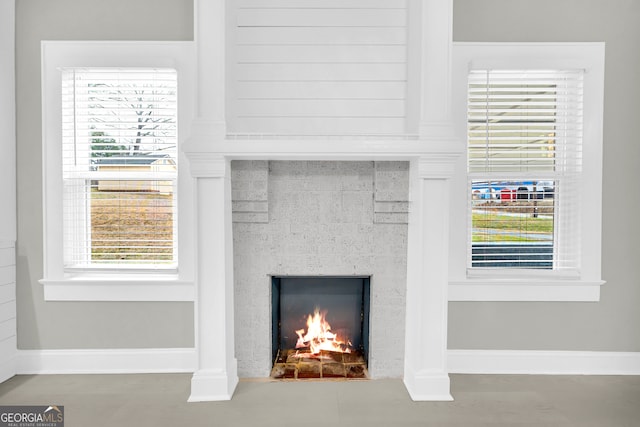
{"points": [[119, 166], [524, 164]]}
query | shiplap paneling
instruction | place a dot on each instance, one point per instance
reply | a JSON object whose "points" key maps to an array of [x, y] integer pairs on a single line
{"points": [[274, 73], [8, 335], [7, 256], [7, 310], [322, 108], [8, 349], [7, 329], [322, 4], [302, 17], [314, 126], [394, 91], [311, 67], [7, 274], [320, 54], [356, 36], [7, 292]]}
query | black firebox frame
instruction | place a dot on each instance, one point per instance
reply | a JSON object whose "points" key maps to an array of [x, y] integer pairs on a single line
{"points": [[356, 287]]}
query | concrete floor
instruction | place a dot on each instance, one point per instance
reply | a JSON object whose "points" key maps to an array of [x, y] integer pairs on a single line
{"points": [[480, 400]]}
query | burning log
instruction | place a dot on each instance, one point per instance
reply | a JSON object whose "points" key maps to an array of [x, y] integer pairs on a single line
{"points": [[319, 337], [326, 365], [319, 353], [333, 370]]}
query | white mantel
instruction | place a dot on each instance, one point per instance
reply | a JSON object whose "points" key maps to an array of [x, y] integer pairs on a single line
{"points": [[432, 152]]}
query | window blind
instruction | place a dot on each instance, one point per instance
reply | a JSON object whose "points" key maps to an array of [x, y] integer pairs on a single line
{"points": [[119, 161], [524, 159]]}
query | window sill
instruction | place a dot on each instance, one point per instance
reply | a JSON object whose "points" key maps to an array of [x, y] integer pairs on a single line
{"points": [[524, 290], [121, 288]]}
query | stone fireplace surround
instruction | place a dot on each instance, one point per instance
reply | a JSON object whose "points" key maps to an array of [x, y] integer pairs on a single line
{"points": [[319, 218], [431, 152]]}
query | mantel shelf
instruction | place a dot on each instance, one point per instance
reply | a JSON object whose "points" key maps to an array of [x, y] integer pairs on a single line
{"points": [[323, 148]]}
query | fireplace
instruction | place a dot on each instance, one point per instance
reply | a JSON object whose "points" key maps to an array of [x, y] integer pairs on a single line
{"points": [[404, 242], [232, 294], [320, 327], [309, 226]]}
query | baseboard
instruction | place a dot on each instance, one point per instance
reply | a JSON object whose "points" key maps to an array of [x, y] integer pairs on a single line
{"points": [[543, 362], [108, 361], [168, 360]]}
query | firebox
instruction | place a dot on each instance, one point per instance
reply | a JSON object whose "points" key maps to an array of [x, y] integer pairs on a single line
{"points": [[320, 327]]}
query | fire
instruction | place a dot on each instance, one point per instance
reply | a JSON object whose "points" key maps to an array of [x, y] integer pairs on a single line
{"points": [[319, 336]]}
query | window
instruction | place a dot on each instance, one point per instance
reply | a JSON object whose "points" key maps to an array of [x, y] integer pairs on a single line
{"points": [[119, 161], [524, 140], [529, 187], [117, 194]]}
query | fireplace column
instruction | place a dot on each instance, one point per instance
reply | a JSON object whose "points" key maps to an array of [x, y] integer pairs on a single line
{"points": [[425, 366], [216, 377]]}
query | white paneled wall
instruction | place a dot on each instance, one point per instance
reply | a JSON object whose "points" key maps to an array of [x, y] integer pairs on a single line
{"points": [[7, 310], [316, 67], [7, 191]]}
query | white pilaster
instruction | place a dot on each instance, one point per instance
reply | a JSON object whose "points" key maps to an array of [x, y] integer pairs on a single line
{"points": [[435, 44], [425, 370], [209, 22], [426, 376], [216, 377]]}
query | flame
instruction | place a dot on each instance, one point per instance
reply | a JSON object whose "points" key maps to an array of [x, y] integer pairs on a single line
{"points": [[319, 336]]}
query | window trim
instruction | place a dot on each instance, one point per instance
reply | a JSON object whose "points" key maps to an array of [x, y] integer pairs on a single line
{"points": [[128, 284], [525, 285]]}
